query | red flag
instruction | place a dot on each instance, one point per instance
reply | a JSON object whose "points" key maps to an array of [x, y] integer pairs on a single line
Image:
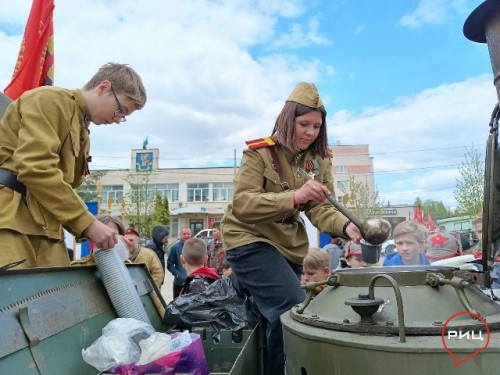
{"points": [[417, 215], [35, 63], [430, 223]]}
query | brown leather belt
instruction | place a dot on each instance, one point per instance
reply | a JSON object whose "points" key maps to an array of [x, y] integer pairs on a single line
{"points": [[9, 179]]}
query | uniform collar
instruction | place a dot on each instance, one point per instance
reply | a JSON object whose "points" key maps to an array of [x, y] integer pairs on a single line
{"points": [[82, 106]]}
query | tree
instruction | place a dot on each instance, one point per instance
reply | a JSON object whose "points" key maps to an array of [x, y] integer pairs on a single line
{"points": [[470, 186], [140, 201], [437, 209], [161, 211], [88, 190], [359, 198]]}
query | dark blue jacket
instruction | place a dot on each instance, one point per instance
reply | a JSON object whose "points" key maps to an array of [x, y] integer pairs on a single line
{"points": [[174, 264], [394, 259]]}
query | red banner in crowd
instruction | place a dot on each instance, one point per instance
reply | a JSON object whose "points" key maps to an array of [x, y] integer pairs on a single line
{"points": [[417, 215], [430, 223], [35, 63]]}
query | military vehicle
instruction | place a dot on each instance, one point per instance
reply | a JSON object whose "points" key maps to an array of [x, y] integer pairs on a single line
{"points": [[415, 319]]}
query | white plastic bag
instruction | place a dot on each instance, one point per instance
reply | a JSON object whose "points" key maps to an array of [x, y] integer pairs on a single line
{"points": [[154, 347], [119, 344]]}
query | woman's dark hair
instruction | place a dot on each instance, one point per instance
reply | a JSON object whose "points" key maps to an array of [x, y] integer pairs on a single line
{"points": [[284, 128]]}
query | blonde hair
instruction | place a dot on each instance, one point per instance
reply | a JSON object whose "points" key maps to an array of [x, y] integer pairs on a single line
{"points": [[316, 259], [194, 252], [477, 220], [417, 230], [124, 80]]}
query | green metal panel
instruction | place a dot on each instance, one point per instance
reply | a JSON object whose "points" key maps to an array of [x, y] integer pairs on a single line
{"points": [[48, 315], [233, 358], [316, 351]]}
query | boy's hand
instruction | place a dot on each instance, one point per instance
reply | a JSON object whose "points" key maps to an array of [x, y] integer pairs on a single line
{"points": [[101, 235]]}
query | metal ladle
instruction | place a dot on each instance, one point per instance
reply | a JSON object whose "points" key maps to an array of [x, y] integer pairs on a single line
{"points": [[374, 231]]}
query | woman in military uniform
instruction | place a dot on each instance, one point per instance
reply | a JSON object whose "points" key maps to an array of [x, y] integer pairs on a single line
{"points": [[264, 235]]}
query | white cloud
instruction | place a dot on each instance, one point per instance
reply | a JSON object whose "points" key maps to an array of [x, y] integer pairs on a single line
{"points": [[418, 142], [433, 12], [300, 36]]}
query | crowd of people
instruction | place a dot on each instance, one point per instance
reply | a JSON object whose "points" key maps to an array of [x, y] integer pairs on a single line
{"points": [[261, 242]]}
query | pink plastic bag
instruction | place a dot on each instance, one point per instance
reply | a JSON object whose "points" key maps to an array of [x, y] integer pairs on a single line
{"points": [[190, 359]]}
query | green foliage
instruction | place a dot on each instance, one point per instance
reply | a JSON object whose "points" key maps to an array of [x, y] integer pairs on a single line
{"points": [[469, 190], [145, 206], [359, 198], [139, 205], [161, 211], [88, 190], [437, 209]]}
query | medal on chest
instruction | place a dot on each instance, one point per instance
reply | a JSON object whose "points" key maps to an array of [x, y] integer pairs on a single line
{"points": [[312, 168]]}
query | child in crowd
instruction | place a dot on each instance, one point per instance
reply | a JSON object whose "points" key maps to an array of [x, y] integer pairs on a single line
{"points": [[316, 266], [226, 268], [409, 237], [352, 255], [194, 259], [441, 245]]}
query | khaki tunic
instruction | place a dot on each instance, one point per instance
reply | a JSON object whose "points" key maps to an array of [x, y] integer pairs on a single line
{"points": [[45, 142], [259, 204], [153, 264]]}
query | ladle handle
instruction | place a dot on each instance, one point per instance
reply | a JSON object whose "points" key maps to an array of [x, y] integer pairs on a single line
{"points": [[348, 214]]}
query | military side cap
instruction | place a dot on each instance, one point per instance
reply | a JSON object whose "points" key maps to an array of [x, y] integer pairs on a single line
{"points": [[254, 144], [306, 94]]}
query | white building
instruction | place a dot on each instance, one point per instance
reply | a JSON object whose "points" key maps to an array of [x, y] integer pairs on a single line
{"points": [[198, 197]]}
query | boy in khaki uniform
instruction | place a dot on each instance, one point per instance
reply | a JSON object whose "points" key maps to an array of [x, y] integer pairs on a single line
{"points": [[44, 151]]}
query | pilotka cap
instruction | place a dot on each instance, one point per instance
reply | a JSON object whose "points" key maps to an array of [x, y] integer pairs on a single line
{"points": [[306, 94]]}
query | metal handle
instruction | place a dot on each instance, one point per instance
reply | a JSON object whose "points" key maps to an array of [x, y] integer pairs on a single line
{"points": [[348, 214]]}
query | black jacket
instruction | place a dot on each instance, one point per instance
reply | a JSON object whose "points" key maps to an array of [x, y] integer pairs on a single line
{"points": [[159, 232]]}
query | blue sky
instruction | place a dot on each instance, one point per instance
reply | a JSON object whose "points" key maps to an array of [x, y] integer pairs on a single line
{"points": [[396, 74]]}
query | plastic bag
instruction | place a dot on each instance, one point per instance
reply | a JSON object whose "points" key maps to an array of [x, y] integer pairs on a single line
{"points": [[189, 359], [219, 306], [155, 346], [118, 344]]}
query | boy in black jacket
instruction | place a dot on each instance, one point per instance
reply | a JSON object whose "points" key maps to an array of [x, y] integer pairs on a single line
{"points": [[194, 259]]}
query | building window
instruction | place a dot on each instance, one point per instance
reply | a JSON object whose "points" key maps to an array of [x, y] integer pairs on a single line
{"points": [[174, 227], [171, 191], [222, 192], [342, 185], [197, 192], [113, 192], [341, 169]]}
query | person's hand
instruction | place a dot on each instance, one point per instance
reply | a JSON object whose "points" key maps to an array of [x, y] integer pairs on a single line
{"points": [[353, 232], [101, 235], [311, 191]]}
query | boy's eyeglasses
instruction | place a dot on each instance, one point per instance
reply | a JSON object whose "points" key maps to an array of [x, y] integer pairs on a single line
{"points": [[120, 112]]}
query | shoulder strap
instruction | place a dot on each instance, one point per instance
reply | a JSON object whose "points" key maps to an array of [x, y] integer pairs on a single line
{"points": [[279, 169]]}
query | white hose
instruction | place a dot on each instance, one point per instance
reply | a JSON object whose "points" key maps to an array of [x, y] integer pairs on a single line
{"points": [[119, 284]]}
